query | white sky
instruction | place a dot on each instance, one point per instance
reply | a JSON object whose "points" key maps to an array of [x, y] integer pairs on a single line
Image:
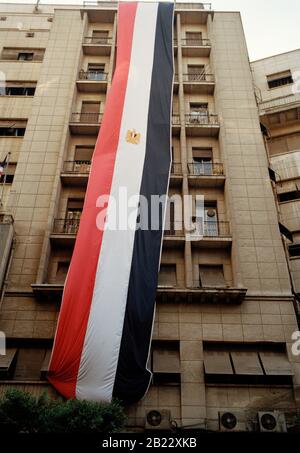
{"points": [[271, 26]]}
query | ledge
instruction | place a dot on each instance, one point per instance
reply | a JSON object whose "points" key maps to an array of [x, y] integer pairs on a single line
{"points": [[234, 296]]}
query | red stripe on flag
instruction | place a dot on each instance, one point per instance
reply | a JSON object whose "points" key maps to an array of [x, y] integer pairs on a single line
{"points": [[79, 286]]}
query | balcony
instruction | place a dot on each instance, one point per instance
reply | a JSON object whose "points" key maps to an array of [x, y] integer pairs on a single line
{"points": [[176, 174], [200, 295], [208, 234], [64, 231], [206, 174], [194, 13], [75, 172], [200, 83], [100, 46], [85, 123], [100, 11], [198, 47], [202, 124], [47, 292], [92, 81]]}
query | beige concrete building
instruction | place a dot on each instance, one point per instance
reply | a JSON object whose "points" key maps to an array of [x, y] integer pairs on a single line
{"points": [[225, 307], [277, 83]]}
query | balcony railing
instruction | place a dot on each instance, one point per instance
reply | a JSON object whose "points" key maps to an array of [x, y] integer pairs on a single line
{"points": [[86, 117], [212, 228], [176, 168], [66, 226], [77, 166], [93, 76], [201, 119], [205, 6], [195, 42], [205, 169], [207, 229], [106, 41], [201, 77]]}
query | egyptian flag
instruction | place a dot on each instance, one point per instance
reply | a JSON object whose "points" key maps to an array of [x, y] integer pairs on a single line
{"points": [[105, 324], [3, 164]]}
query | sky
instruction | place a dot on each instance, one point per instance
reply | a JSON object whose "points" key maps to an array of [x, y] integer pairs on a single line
{"points": [[271, 26]]}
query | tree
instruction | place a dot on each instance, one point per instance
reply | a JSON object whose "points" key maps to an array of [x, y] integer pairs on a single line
{"points": [[22, 412]]}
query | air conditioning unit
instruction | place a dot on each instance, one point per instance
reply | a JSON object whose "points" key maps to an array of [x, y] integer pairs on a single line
{"points": [[231, 421], [272, 422], [158, 419]]}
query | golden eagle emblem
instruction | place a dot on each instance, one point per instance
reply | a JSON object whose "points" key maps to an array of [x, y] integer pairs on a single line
{"points": [[133, 137]]}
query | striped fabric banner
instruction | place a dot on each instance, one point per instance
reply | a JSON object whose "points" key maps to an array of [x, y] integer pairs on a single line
{"points": [[104, 328]]}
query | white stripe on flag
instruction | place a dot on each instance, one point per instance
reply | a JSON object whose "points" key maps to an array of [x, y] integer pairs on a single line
{"points": [[104, 331]]}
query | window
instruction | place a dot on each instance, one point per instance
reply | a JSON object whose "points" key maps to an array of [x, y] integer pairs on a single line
{"points": [[167, 275], [289, 196], [11, 90], [279, 79], [22, 54], [196, 73], [3, 18], [252, 364], [211, 276], [82, 158], [90, 112], [202, 161], [199, 112], [294, 250], [165, 362], [193, 38], [100, 36], [207, 219], [96, 71], [25, 56], [30, 34], [12, 131], [8, 174]]}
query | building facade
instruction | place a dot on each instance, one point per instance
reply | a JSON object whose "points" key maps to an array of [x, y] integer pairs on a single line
{"points": [[277, 83], [225, 308]]}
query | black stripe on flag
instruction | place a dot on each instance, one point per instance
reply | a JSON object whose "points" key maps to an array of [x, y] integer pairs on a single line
{"points": [[132, 377]]}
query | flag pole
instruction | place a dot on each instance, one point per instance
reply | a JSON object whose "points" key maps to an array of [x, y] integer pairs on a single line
{"points": [[4, 180]]}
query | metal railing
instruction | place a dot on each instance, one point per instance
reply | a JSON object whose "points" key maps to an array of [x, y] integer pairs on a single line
{"points": [[94, 76], [77, 166], [176, 168], [66, 226], [200, 77], [105, 40], [201, 119], [86, 117], [205, 169], [212, 228], [195, 42], [198, 228]]}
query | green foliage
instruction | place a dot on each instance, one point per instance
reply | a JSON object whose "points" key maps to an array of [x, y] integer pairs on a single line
{"points": [[21, 412]]}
